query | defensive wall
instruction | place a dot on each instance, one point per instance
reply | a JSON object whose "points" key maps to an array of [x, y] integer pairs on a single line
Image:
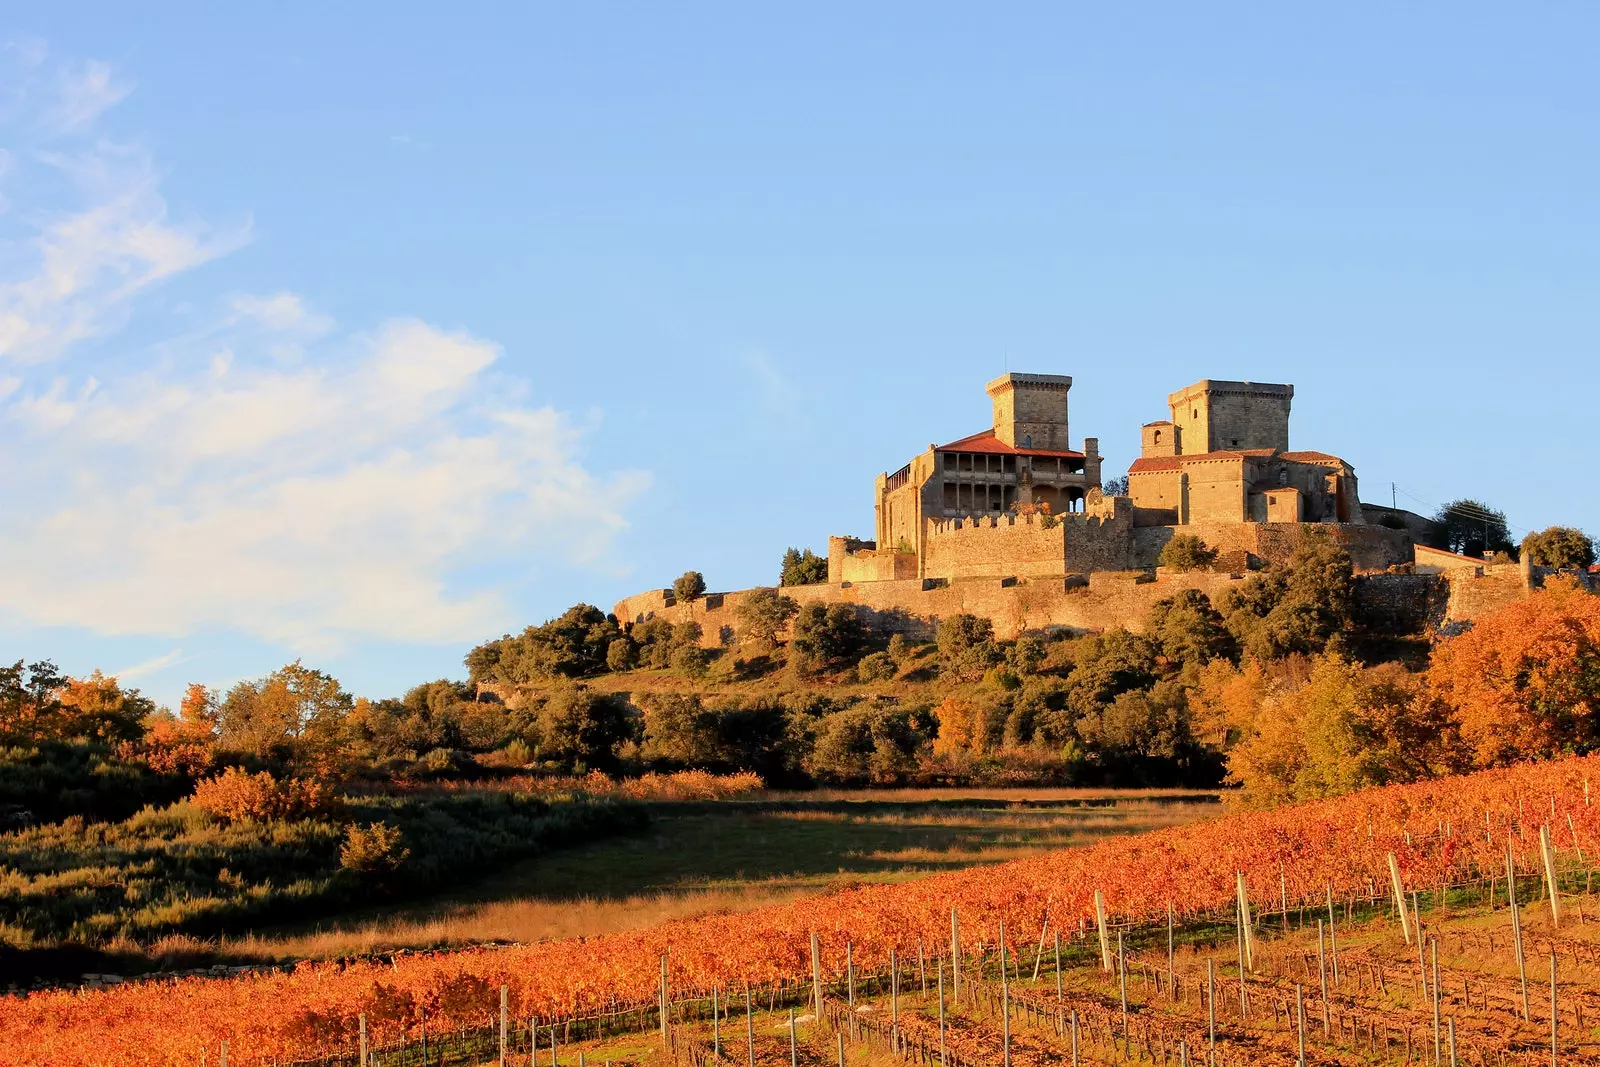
{"points": [[1015, 605]]}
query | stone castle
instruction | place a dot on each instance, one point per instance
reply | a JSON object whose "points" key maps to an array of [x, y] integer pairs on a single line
{"points": [[1012, 523]]}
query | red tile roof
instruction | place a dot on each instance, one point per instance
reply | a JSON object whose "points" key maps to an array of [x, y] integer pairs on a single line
{"points": [[988, 442], [1172, 463]]}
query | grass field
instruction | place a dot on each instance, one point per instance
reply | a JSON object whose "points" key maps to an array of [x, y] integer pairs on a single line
{"points": [[735, 855]]}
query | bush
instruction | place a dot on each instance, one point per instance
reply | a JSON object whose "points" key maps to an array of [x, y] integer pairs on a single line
{"points": [[828, 634], [691, 661], [900, 648], [372, 849], [763, 613], [1185, 552], [622, 655], [690, 585], [237, 796], [966, 645], [876, 667], [1559, 546]]}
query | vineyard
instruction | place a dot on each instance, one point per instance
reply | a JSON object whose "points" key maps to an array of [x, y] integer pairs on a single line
{"points": [[1377, 928]]}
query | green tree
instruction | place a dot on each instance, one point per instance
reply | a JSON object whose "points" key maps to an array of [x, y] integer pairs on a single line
{"points": [[1559, 546], [1472, 528], [967, 647], [30, 702], [1185, 552], [571, 646], [293, 707], [829, 635], [1300, 606], [689, 586], [1110, 664], [803, 568], [578, 728], [1187, 629], [763, 613]]}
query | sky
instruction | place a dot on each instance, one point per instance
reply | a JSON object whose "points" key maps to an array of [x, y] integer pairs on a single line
{"points": [[363, 333]]}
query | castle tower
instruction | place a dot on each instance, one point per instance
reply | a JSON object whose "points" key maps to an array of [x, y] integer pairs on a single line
{"points": [[1030, 410], [1211, 415]]}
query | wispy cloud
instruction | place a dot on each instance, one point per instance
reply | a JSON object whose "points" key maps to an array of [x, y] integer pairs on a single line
{"points": [[777, 394], [83, 92], [151, 666], [351, 493]]}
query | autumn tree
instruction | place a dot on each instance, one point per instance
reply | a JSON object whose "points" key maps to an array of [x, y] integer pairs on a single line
{"points": [[1524, 682], [294, 707], [96, 708], [30, 702], [1559, 546]]}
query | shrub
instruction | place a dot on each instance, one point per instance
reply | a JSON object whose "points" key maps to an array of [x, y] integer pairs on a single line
{"points": [[622, 655], [763, 613], [966, 645], [900, 648], [690, 584], [1559, 546], [876, 667], [829, 634], [1186, 552], [238, 796], [517, 753], [372, 849], [691, 661]]}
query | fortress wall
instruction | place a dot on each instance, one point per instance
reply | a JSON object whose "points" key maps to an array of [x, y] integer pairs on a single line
{"points": [[1371, 548], [1013, 605], [998, 546], [876, 565], [1401, 603], [1496, 587]]}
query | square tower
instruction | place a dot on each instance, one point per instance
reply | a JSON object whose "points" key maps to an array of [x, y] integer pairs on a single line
{"points": [[1030, 410], [1211, 416]]}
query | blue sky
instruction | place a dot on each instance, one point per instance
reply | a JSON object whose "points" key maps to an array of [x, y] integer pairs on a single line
{"points": [[362, 333]]}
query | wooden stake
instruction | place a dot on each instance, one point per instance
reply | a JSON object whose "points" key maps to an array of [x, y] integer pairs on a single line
{"points": [[942, 1062], [1300, 1025], [1333, 940], [1452, 1027], [816, 975], [794, 1047], [1550, 875], [1122, 983], [1211, 1005], [1433, 947], [1058, 966], [362, 1022], [850, 975], [955, 956], [1322, 976], [1172, 969], [716, 1024], [505, 1032], [664, 1032], [1005, 1001], [922, 970], [894, 988], [1516, 929], [1105, 939], [1554, 1009], [1246, 927], [1074, 1037], [1399, 897], [1038, 953], [749, 1025]]}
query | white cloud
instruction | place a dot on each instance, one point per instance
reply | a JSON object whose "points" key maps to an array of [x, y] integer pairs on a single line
{"points": [[773, 388], [82, 93], [151, 666], [351, 492]]}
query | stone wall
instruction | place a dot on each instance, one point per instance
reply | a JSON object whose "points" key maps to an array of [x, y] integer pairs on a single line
{"points": [[1371, 548], [1401, 603], [995, 546]]}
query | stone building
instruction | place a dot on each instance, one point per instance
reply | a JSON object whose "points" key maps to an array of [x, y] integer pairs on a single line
{"points": [[1224, 457], [1024, 457]]}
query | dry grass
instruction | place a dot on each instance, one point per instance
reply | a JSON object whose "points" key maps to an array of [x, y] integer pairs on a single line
{"points": [[730, 857]]}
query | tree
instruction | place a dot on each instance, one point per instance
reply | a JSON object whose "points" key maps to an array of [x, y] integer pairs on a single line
{"points": [[1473, 528], [1188, 630], [573, 645], [803, 568], [1185, 552], [29, 702], [763, 613], [292, 704], [966, 645], [577, 728], [96, 708], [1559, 546], [690, 584], [1524, 682], [958, 723], [829, 634], [1110, 664], [1297, 607], [1115, 486]]}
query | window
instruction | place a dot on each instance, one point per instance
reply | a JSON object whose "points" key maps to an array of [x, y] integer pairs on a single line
{"points": [[950, 496], [1283, 476], [1158, 437]]}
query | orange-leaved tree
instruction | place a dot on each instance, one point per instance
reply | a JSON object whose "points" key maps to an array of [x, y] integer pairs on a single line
{"points": [[1524, 682]]}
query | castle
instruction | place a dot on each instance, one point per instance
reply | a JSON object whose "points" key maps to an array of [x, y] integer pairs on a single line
{"points": [[1012, 522], [1018, 500]]}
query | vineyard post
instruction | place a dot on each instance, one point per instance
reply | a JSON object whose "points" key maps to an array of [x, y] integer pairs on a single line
{"points": [[841, 1046], [1038, 953], [1333, 938], [894, 988], [794, 1047], [1516, 929], [1246, 927], [1452, 1030], [1283, 896], [1550, 875], [1438, 1052], [1300, 1026], [1005, 1002], [1074, 1037], [1058, 967], [955, 956], [222, 1055], [1172, 969], [816, 975], [749, 1025], [362, 1022], [1553, 1012], [850, 975], [1122, 983], [940, 965], [716, 1023], [1400, 897], [1239, 943], [1105, 939], [505, 994], [664, 1029], [1322, 976], [922, 970], [1211, 1007]]}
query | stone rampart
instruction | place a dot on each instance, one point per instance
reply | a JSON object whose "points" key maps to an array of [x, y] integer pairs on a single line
{"points": [[1371, 548]]}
